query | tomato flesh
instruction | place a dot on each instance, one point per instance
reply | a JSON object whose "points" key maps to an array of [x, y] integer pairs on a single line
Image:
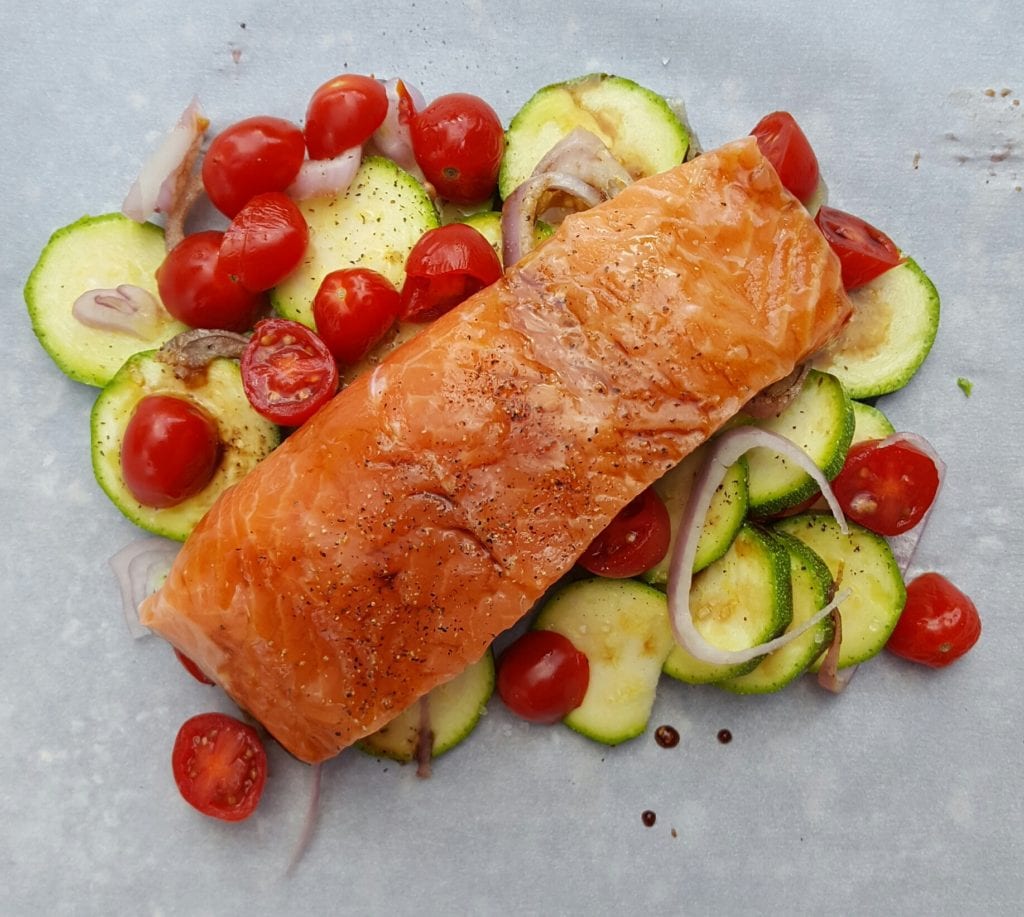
{"points": [[343, 113], [786, 147], [220, 766], [353, 309], [886, 486], [288, 373], [249, 158], [189, 666], [458, 142], [864, 251], [938, 624], [634, 541], [542, 677], [265, 242], [169, 452]]}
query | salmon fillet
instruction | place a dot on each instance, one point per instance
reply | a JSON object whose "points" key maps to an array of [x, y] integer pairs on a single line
{"points": [[383, 546]]}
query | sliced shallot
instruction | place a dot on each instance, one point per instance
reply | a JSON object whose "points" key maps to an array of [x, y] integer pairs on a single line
{"points": [[904, 546], [393, 138], [586, 156], [322, 177], [193, 350], [126, 308], [309, 823], [773, 399], [140, 568]]}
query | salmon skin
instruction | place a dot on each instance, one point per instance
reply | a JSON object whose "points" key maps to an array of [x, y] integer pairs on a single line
{"points": [[379, 550]]}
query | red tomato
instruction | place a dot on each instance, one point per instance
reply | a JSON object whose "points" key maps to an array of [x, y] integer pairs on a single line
{"points": [[343, 113], [197, 290], [287, 372], [265, 241], [938, 625], [634, 541], [886, 488], [446, 266], [251, 157], [220, 766], [542, 677], [864, 252], [197, 673], [787, 149], [458, 141], [353, 310], [170, 450]]}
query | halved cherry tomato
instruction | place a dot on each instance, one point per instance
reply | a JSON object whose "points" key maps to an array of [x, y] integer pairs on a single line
{"points": [[353, 310], [288, 373], [343, 113], [864, 252], [938, 624], [170, 450], [248, 158], [458, 141], [220, 766], [634, 541], [197, 290], [446, 266], [886, 486], [265, 241], [197, 673], [542, 677], [784, 145]]}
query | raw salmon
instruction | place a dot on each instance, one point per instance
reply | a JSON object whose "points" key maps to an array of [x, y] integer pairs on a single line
{"points": [[384, 545]]}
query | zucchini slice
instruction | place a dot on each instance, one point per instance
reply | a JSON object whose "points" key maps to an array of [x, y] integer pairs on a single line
{"points": [[895, 319], [869, 423], [622, 627], [95, 253], [488, 224]]}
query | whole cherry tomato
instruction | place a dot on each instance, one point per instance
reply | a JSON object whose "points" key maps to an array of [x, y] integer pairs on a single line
{"points": [[938, 624], [886, 486], [197, 290], [458, 142], [353, 310], [634, 541], [220, 766], [343, 113], [542, 677], [784, 145], [170, 450], [288, 373], [864, 252], [446, 266], [265, 241], [248, 158]]}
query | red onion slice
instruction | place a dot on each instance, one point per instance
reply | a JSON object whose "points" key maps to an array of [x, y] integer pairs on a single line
{"points": [[393, 138], [725, 450], [584, 155], [140, 568], [773, 399], [127, 308], [424, 740], [309, 822], [322, 177]]}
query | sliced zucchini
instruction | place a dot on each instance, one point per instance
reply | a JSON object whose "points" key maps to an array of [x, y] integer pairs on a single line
{"points": [[454, 709], [863, 563], [895, 318], [725, 515], [374, 224], [246, 438], [488, 224], [812, 588], [741, 600], [95, 253], [622, 627], [869, 423], [820, 421], [638, 126]]}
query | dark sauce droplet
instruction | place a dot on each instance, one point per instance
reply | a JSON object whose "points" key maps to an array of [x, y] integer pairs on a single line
{"points": [[724, 736], [648, 818], [666, 736]]}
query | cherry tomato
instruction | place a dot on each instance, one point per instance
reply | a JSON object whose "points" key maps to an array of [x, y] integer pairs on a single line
{"points": [[220, 766], [446, 266], [938, 625], [886, 486], [542, 677], [864, 252], [170, 450], [197, 673], [784, 145], [248, 158], [197, 290], [634, 541], [353, 310], [343, 113], [265, 241], [288, 373], [458, 141]]}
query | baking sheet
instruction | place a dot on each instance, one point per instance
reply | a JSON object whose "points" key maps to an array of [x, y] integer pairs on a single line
{"points": [[900, 796]]}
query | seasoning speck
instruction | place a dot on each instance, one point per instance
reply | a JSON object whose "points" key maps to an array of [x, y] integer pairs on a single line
{"points": [[724, 736], [648, 818]]}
